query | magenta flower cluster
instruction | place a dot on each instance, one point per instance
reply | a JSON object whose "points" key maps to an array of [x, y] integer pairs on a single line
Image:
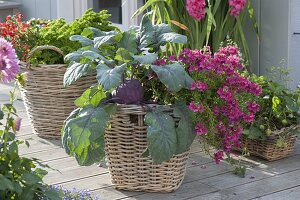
{"points": [[9, 63], [196, 9], [222, 96], [236, 6]]}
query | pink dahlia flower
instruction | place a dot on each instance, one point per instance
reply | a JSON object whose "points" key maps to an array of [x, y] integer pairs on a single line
{"points": [[196, 9], [9, 62], [236, 6]]}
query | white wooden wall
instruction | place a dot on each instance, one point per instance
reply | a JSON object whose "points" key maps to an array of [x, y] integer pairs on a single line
{"points": [[46, 9]]}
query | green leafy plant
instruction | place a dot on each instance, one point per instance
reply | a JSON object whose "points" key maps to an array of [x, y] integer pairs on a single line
{"points": [[125, 63], [58, 31], [279, 108], [204, 22]]}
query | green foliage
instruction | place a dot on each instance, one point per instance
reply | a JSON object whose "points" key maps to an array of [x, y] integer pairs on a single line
{"points": [[118, 56], [20, 178], [57, 33], [279, 108]]}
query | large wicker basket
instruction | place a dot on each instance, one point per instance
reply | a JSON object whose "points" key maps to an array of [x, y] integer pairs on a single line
{"points": [[126, 140], [48, 103], [267, 149]]}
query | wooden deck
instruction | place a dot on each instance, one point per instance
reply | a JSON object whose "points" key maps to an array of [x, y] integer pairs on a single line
{"points": [[204, 179]]}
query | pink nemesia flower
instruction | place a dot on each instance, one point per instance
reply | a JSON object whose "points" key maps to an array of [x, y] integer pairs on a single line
{"points": [[253, 107], [218, 156], [196, 9], [249, 117], [201, 129], [196, 107], [9, 63]]}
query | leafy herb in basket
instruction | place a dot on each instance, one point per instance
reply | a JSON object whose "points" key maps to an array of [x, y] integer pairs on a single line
{"points": [[58, 32], [279, 110], [126, 65]]}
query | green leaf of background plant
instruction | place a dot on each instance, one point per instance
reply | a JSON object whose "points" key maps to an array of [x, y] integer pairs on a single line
{"points": [[92, 96], [76, 71], [110, 78], [5, 183], [161, 136], [185, 130], [123, 55]]}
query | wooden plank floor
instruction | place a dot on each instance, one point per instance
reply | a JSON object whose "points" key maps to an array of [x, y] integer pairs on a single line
{"points": [[204, 179]]}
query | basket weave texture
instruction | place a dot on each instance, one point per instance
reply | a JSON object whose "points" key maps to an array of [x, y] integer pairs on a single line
{"points": [[48, 103], [125, 141], [267, 149]]}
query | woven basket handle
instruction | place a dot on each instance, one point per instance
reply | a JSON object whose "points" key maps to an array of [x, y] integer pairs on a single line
{"points": [[41, 48]]}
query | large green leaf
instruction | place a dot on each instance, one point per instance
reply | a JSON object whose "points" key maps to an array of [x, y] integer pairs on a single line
{"points": [[74, 56], [5, 183], [146, 59], [1, 114], [128, 41], [84, 135], [84, 41], [146, 34], [123, 55], [161, 136], [75, 71], [173, 76], [108, 38], [173, 38], [110, 78], [95, 54], [185, 130], [92, 96]]}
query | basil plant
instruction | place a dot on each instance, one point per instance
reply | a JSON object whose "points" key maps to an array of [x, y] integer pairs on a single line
{"points": [[121, 61]]}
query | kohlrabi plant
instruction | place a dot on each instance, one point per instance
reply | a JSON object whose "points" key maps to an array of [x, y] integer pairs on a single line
{"points": [[127, 73]]}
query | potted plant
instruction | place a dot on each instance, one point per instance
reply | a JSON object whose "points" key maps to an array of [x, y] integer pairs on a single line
{"points": [[41, 45], [135, 115], [220, 99], [273, 133]]}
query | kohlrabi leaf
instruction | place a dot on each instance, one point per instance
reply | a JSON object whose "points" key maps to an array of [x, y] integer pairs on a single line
{"points": [[161, 136], [185, 130], [145, 59], [84, 41], [128, 41], [110, 77], [146, 32], [94, 54], [123, 55], [75, 71], [97, 32], [173, 76], [91, 96], [83, 136], [105, 39], [74, 56], [173, 38]]}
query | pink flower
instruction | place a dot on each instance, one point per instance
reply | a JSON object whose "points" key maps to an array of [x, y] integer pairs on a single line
{"points": [[199, 85], [249, 117], [253, 107], [160, 62], [9, 63], [218, 156], [196, 107], [196, 9], [236, 6], [216, 110], [201, 129]]}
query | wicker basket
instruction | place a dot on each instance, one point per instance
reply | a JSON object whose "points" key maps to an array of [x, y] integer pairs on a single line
{"points": [[48, 103], [267, 149], [125, 141]]}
